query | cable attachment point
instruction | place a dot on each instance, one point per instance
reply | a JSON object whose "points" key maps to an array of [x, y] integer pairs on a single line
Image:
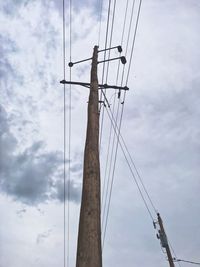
{"points": [[123, 60], [102, 103], [154, 224], [119, 48], [119, 94], [70, 64]]}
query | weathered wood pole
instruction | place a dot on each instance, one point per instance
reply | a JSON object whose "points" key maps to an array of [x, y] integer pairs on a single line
{"points": [[89, 253], [169, 255]]}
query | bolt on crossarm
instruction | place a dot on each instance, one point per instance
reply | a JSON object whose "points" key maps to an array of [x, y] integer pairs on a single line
{"points": [[89, 251]]}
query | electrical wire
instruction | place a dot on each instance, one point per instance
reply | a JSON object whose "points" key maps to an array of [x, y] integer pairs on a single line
{"points": [[64, 133], [128, 39], [69, 134], [103, 71], [109, 180], [128, 163], [111, 36], [111, 128], [100, 19], [138, 174], [66, 258], [186, 261], [134, 38], [172, 249], [120, 123]]}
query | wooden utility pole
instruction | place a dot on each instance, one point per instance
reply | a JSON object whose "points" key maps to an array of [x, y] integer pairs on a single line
{"points": [[89, 252], [164, 242]]}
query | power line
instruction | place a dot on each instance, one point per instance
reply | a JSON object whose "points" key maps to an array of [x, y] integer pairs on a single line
{"points": [[66, 259], [128, 38], [100, 19], [134, 38], [110, 165], [173, 251], [186, 261], [119, 128], [111, 128], [111, 35], [138, 174], [64, 133], [129, 165], [69, 134], [103, 71]]}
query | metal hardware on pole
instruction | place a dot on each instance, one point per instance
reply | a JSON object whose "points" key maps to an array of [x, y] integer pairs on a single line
{"points": [[164, 242]]}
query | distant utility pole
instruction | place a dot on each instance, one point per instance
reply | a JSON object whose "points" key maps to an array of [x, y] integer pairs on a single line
{"points": [[89, 251], [164, 242]]}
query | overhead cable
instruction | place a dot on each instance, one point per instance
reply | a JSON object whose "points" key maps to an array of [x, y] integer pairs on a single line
{"points": [[100, 19], [134, 38], [69, 134], [103, 71], [64, 142], [109, 156]]}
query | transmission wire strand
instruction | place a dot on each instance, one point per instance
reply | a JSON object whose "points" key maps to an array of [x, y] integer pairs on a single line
{"points": [[134, 38], [133, 45], [100, 19], [129, 165], [69, 137], [64, 136], [128, 39], [103, 72], [111, 128], [110, 132], [113, 143], [120, 123], [110, 43], [186, 261]]}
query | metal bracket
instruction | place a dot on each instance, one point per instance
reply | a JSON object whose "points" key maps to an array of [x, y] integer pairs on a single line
{"points": [[105, 86]]}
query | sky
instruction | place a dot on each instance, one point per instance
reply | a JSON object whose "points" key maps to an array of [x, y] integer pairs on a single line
{"points": [[160, 127]]}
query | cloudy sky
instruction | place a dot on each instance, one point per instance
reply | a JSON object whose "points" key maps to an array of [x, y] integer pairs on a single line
{"points": [[160, 126]]}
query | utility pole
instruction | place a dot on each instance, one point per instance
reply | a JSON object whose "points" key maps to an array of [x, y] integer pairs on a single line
{"points": [[164, 242], [89, 251]]}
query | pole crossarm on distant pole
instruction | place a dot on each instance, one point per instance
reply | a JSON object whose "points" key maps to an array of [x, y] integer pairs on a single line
{"points": [[100, 86]]}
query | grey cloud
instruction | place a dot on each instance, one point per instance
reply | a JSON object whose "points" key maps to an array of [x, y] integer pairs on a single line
{"points": [[21, 212], [41, 237], [7, 46], [10, 7], [32, 176]]}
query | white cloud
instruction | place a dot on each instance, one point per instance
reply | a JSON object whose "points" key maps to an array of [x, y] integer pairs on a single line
{"points": [[160, 125]]}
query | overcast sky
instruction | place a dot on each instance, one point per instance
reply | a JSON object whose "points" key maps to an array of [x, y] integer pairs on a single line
{"points": [[160, 126]]}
